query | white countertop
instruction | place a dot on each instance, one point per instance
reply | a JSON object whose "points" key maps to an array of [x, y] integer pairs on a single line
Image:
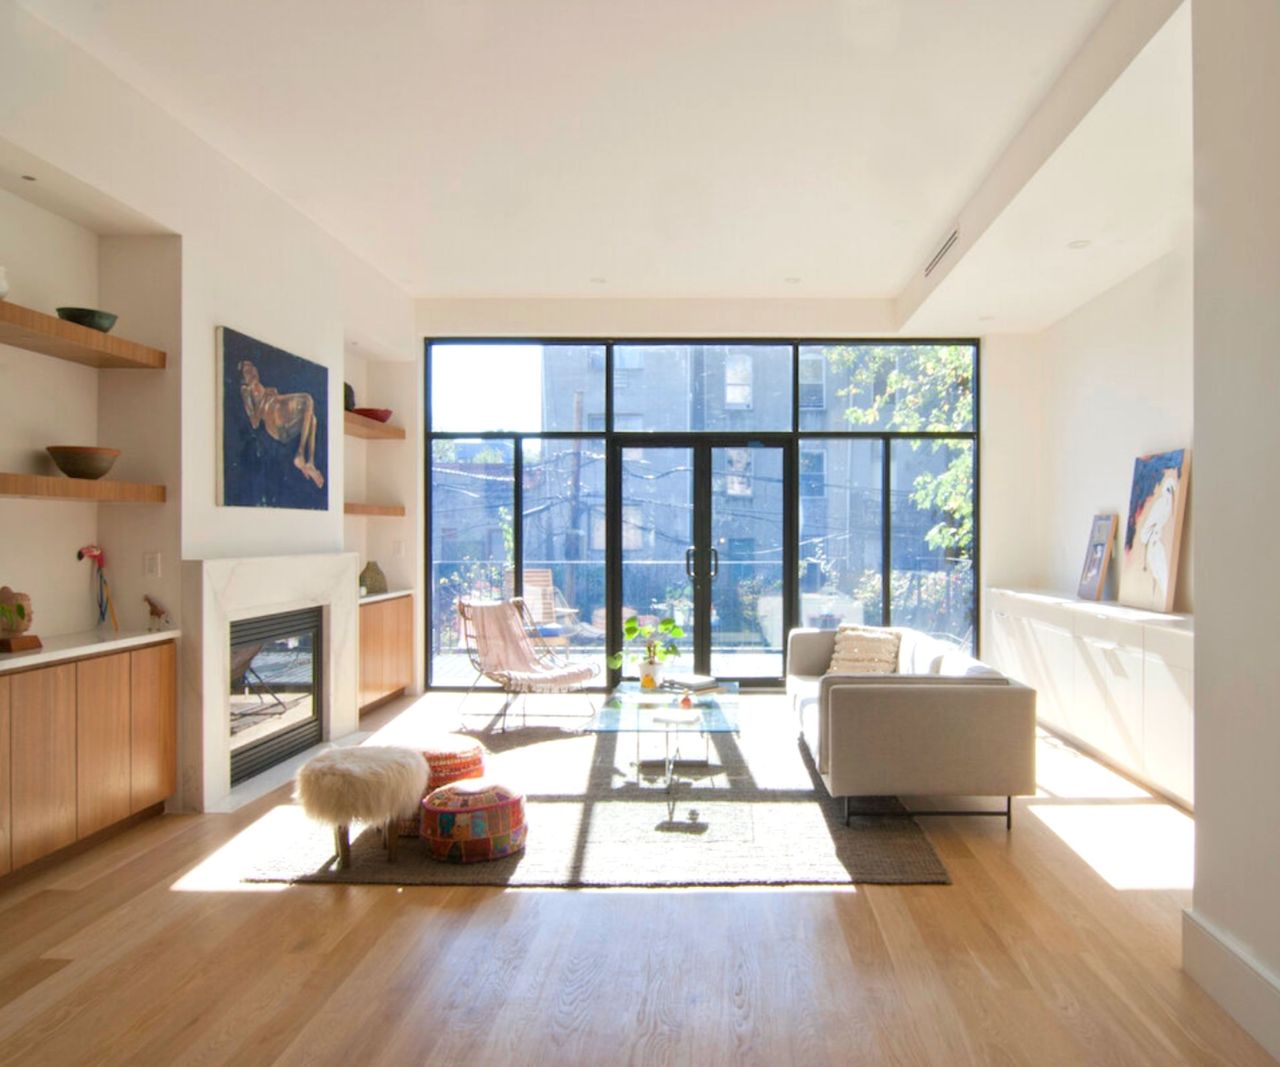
{"points": [[373, 598], [77, 646]]}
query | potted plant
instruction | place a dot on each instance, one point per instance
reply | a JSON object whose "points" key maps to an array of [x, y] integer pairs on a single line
{"points": [[659, 645]]}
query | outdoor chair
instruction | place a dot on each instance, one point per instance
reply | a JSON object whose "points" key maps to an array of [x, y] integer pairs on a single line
{"points": [[504, 645]]}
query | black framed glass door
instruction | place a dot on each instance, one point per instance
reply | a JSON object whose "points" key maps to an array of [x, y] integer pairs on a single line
{"points": [[700, 536]]}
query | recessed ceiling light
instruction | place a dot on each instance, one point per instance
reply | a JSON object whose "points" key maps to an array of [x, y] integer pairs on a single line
{"points": [[1079, 244], [28, 177], [596, 279], [986, 318], [793, 280]]}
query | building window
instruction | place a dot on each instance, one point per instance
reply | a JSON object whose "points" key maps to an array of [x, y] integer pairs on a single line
{"points": [[737, 472], [738, 374], [813, 382], [813, 472]]}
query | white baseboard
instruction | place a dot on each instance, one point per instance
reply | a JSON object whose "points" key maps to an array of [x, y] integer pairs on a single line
{"points": [[1249, 992]]}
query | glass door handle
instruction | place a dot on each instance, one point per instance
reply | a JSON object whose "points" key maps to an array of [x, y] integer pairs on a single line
{"points": [[688, 562], [715, 563]]}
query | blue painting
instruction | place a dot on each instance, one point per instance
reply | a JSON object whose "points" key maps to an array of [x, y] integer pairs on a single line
{"points": [[274, 410]]}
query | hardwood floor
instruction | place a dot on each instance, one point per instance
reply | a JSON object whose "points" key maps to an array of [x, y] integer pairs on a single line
{"points": [[136, 953]]}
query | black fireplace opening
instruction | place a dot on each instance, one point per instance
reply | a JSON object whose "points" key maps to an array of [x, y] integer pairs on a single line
{"points": [[276, 694]]}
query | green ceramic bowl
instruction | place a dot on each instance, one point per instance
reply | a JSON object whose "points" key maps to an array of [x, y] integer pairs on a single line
{"points": [[91, 317]]}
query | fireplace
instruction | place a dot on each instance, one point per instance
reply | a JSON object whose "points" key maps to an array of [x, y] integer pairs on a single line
{"points": [[276, 698]]}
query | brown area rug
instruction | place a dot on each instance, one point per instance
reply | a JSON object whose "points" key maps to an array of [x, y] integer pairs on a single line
{"points": [[756, 815]]}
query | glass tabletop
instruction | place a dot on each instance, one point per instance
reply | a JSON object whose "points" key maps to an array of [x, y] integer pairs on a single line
{"points": [[631, 709]]}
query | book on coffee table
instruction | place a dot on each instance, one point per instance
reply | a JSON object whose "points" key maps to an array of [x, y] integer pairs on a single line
{"points": [[695, 683]]}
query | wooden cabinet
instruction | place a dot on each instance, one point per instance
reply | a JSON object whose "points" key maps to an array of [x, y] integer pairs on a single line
{"points": [[84, 745], [386, 650], [102, 742], [42, 760], [153, 740], [6, 823]]}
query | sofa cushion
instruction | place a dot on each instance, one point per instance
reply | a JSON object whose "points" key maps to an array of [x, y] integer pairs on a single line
{"points": [[958, 665], [919, 653], [865, 650]]}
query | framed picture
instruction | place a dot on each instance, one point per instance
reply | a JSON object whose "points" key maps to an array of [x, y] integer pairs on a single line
{"points": [[1153, 534], [1097, 557], [273, 421]]}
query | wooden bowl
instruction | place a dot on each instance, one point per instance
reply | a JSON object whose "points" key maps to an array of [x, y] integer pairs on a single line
{"points": [[381, 414], [80, 461], [102, 321]]}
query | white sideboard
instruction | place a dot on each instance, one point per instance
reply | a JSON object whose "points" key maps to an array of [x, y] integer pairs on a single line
{"points": [[1117, 679]]}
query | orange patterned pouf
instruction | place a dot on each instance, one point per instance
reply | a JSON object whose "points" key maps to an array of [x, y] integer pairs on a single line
{"points": [[450, 758], [473, 819]]}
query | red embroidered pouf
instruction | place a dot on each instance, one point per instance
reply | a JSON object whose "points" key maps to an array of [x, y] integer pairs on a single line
{"points": [[472, 820], [449, 757]]}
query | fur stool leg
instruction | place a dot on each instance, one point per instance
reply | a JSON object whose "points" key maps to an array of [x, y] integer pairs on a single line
{"points": [[370, 785]]}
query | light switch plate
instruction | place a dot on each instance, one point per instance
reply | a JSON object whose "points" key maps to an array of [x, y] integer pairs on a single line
{"points": [[151, 564]]}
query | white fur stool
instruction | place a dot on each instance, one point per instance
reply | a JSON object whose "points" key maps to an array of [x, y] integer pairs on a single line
{"points": [[369, 785]]}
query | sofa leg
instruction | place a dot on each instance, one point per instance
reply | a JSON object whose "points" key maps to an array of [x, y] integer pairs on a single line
{"points": [[846, 811], [1008, 813]]}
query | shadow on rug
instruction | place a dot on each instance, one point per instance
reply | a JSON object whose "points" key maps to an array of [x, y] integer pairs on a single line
{"points": [[755, 814]]}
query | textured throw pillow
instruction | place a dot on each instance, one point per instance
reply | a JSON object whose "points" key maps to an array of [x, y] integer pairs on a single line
{"points": [[865, 650]]}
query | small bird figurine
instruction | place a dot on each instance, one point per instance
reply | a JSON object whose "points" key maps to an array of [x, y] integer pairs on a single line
{"points": [[159, 618]]}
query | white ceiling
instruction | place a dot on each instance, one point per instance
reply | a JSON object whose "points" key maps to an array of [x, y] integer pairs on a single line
{"points": [[665, 148], [1121, 181]]}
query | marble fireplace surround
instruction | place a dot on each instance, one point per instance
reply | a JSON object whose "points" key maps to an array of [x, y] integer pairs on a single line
{"points": [[217, 592]]}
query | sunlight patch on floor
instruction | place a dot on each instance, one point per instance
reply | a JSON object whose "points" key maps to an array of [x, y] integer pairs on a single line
{"points": [[1130, 846], [220, 872], [1066, 772]]}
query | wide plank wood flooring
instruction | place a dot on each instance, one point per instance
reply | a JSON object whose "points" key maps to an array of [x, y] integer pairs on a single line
{"points": [[134, 953]]}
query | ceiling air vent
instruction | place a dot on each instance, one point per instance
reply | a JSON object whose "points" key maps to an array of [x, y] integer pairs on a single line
{"points": [[937, 256]]}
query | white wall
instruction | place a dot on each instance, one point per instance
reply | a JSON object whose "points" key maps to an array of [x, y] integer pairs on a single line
{"points": [[1231, 939], [1114, 383], [1011, 502], [250, 261], [50, 263]]}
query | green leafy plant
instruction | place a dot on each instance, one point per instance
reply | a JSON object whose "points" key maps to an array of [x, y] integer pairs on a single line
{"points": [[12, 616], [659, 640]]}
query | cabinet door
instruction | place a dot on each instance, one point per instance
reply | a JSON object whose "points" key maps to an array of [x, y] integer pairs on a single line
{"points": [[400, 647], [102, 742], [1048, 655], [153, 725], [1168, 703], [42, 714], [6, 824], [371, 645]]}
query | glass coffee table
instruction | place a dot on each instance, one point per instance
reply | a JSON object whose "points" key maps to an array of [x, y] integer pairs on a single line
{"points": [[632, 710]]}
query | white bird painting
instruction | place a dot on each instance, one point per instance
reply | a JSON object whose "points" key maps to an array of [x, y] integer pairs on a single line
{"points": [[1152, 536]]}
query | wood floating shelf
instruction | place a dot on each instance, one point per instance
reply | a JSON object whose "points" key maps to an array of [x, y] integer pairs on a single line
{"points": [[371, 429], [51, 336], [44, 487], [386, 511]]}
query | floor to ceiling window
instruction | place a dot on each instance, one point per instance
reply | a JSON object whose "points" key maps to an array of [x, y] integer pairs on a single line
{"points": [[741, 488]]}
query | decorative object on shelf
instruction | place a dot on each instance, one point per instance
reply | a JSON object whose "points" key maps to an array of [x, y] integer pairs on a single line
{"points": [[1097, 557], [102, 321], [659, 645], [15, 619], [102, 587], [157, 618], [83, 461], [1153, 534], [377, 414], [273, 426], [4, 284], [372, 580], [348, 397]]}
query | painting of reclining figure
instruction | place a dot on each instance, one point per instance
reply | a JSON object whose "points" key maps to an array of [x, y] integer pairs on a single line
{"points": [[273, 426], [1149, 560]]}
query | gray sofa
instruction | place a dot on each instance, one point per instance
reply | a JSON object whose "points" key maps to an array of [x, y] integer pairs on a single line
{"points": [[944, 725]]}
